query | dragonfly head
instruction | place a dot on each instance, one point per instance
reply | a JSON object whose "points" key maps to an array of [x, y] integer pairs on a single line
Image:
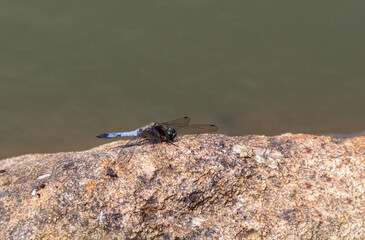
{"points": [[170, 134]]}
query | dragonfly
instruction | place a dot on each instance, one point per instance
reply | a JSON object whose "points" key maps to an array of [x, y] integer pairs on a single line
{"points": [[162, 132]]}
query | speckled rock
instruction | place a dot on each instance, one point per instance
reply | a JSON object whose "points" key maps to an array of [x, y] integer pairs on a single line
{"points": [[206, 187]]}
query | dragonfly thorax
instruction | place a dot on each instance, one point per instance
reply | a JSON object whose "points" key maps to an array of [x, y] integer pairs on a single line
{"points": [[165, 133], [158, 132]]}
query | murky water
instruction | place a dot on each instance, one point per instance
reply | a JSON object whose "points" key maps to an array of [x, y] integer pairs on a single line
{"points": [[71, 70]]}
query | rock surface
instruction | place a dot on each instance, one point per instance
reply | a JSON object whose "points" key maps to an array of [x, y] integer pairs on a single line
{"points": [[206, 187]]}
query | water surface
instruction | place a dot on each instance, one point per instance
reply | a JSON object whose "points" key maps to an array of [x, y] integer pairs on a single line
{"points": [[71, 70]]}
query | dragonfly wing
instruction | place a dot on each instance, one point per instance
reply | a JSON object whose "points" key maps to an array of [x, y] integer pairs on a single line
{"points": [[178, 123], [126, 152], [134, 141], [198, 129]]}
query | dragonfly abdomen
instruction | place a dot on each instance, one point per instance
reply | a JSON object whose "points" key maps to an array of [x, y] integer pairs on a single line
{"points": [[119, 134]]}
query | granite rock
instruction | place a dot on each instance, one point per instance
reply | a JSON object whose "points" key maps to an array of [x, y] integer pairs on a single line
{"points": [[200, 187]]}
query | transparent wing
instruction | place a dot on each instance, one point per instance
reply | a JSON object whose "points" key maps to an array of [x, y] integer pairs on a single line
{"points": [[126, 151], [178, 123], [198, 129], [134, 141]]}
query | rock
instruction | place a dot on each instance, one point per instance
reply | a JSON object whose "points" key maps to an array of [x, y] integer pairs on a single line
{"points": [[206, 187]]}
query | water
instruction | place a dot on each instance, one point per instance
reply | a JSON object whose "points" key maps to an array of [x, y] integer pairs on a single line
{"points": [[71, 70]]}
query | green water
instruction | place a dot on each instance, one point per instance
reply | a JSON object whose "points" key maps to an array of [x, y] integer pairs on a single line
{"points": [[70, 70]]}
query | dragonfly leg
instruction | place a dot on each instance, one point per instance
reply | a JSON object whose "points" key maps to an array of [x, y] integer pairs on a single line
{"points": [[171, 142]]}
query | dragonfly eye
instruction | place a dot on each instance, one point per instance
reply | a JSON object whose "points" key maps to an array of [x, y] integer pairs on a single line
{"points": [[170, 134]]}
